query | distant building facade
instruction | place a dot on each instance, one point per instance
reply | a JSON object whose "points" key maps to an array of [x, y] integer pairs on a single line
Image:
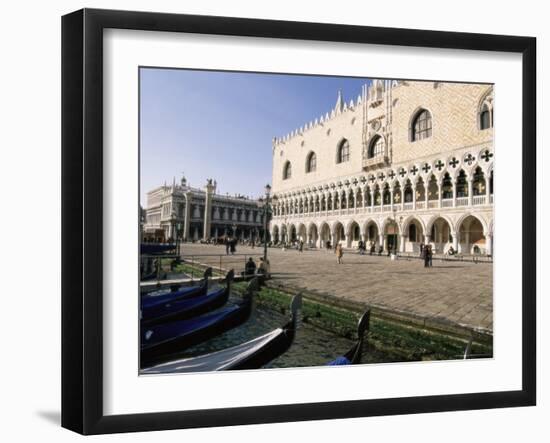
{"points": [[407, 163], [192, 214]]}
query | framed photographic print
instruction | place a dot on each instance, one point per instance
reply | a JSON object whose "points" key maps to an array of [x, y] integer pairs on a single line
{"points": [[269, 221]]}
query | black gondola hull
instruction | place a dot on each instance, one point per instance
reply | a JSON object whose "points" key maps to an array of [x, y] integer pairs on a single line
{"points": [[268, 353], [187, 308], [170, 348]]}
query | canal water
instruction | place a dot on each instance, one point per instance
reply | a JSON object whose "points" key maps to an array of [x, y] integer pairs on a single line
{"points": [[312, 346]]}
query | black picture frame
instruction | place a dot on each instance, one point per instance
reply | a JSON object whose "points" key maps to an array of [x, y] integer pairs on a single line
{"points": [[82, 218]]}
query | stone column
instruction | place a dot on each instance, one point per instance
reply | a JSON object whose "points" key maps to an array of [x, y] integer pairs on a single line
{"points": [[455, 241], [454, 193], [487, 189], [391, 199], [381, 238], [209, 192], [426, 194], [427, 239], [402, 244], [187, 216], [470, 192], [414, 196], [440, 193], [488, 243], [372, 200]]}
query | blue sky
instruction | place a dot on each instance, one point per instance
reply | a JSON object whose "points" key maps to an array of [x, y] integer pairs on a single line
{"points": [[212, 124]]}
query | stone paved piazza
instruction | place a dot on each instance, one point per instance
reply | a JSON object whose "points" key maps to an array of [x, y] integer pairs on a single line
{"points": [[459, 292]]}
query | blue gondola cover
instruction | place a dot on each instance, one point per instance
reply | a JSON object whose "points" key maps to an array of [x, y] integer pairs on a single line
{"points": [[339, 361]]}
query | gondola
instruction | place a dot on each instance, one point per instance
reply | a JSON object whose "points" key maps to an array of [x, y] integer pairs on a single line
{"points": [[156, 248], [252, 354], [184, 308], [160, 343], [148, 300], [354, 354]]}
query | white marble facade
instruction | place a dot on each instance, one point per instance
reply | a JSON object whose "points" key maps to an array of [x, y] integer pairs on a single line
{"points": [[405, 163]]}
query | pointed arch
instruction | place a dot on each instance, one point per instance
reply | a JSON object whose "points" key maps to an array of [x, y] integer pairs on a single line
{"points": [[388, 221], [410, 219], [434, 218], [420, 125], [376, 146], [311, 162], [485, 110], [464, 216], [343, 151], [287, 170]]}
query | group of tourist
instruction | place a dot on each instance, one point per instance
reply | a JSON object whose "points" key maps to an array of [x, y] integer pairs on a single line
{"points": [[251, 268], [426, 253], [230, 245]]}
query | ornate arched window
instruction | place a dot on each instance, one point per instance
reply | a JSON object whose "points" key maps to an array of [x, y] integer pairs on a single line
{"points": [[376, 146], [343, 152], [485, 116], [421, 125], [311, 162], [287, 171]]}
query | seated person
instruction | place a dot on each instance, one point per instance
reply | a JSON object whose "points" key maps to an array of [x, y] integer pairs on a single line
{"points": [[263, 267], [451, 251], [250, 267]]}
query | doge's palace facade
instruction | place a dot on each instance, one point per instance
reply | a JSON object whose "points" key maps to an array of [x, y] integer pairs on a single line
{"points": [[407, 162]]}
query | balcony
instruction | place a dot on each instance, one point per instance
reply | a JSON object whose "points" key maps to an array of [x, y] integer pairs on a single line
{"points": [[376, 161], [419, 205], [480, 200]]}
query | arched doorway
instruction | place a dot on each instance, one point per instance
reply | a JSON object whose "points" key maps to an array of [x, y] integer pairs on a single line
{"points": [[275, 234], [413, 233], [284, 234], [441, 236], [302, 233], [338, 233], [313, 235], [325, 235], [471, 239], [292, 234], [371, 234], [353, 234], [391, 236]]}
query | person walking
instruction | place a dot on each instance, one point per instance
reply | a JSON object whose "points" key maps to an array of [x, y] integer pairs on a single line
{"points": [[430, 255], [233, 246], [301, 246], [227, 241], [339, 253], [425, 256]]}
